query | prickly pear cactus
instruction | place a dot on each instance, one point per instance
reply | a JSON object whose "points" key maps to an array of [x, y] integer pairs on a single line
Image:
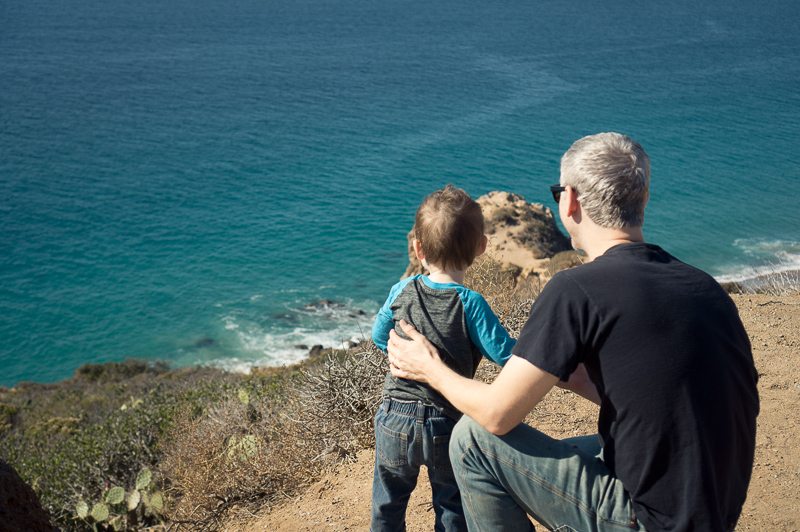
{"points": [[244, 397], [143, 479], [114, 495], [134, 498], [243, 449], [100, 512], [82, 510], [155, 502], [117, 523]]}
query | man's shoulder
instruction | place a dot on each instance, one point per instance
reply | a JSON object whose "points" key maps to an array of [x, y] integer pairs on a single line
{"points": [[639, 259]]}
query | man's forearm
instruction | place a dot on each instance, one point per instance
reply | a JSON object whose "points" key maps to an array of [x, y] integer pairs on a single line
{"points": [[498, 407]]}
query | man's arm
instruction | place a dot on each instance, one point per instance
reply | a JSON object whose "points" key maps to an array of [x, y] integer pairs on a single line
{"points": [[498, 407], [580, 384]]}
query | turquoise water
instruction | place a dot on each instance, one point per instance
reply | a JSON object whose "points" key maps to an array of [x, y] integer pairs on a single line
{"points": [[180, 180]]}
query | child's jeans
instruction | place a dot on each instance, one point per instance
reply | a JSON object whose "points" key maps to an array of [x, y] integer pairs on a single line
{"points": [[407, 436]]}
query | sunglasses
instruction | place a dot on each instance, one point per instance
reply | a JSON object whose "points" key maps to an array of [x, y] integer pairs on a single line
{"points": [[557, 190]]}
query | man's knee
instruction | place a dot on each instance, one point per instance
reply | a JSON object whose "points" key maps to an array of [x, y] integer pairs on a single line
{"points": [[464, 436]]}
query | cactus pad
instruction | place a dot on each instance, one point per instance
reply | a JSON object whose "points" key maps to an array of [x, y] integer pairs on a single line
{"points": [[82, 509], [100, 512], [133, 499], [243, 449], [156, 502], [114, 495], [143, 479], [117, 523], [244, 397]]}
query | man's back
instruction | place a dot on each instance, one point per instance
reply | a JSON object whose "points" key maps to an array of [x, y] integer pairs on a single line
{"points": [[667, 352]]}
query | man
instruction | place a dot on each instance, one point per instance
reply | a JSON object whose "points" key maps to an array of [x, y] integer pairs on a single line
{"points": [[656, 343]]}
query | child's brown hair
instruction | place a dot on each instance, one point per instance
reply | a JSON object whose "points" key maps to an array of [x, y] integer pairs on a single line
{"points": [[449, 228]]}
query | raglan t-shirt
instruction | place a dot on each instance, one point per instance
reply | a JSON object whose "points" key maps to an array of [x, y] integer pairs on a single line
{"points": [[458, 321], [665, 347]]}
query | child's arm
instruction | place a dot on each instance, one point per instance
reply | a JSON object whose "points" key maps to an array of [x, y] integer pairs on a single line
{"points": [[383, 324], [384, 321], [485, 330]]}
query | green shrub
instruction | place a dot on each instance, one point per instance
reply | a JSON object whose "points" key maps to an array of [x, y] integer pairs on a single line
{"points": [[74, 440]]}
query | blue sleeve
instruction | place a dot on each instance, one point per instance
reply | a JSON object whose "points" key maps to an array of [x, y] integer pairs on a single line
{"points": [[383, 321], [485, 330]]}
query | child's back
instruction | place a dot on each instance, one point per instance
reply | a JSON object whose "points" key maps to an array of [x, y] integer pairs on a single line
{"points": [[414, 422], [458, 321]]}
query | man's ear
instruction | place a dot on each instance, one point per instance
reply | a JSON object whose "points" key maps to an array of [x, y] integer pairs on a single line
{"points": [[572, 201], [484, 243], [418, 250]]}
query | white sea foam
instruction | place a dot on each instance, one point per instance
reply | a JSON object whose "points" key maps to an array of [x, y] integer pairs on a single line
{"points": [[276, 342], [763, 257]]}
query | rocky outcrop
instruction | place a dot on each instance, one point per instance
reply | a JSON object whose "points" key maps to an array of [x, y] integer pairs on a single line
{"points": [[20, 509], [523, 237]]}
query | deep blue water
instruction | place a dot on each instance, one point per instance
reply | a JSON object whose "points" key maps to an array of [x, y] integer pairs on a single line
{"points": [[174, 172]]}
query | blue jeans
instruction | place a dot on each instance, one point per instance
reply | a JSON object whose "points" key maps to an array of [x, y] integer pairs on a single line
{"points": [[407, 436], [563, 484]]}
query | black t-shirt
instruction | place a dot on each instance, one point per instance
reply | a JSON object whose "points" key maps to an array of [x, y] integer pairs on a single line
{"points": [[665, 347]]}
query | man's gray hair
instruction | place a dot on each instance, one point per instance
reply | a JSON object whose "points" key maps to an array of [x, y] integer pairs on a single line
{"points": [[611, 174]]}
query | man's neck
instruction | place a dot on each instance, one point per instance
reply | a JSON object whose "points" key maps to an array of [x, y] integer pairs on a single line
{"points": [[604, 239]]}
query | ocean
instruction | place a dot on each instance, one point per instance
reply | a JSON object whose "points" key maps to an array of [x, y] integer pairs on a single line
{"points": [[186, 181]]}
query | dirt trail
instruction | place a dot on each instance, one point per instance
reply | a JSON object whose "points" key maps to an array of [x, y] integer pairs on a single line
{"points": [[341, 500]]}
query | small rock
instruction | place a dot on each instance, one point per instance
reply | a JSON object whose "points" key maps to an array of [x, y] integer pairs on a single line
{"points": [[204, 342], [316, 351]]}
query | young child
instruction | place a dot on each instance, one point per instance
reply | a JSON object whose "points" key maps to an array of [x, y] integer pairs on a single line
{"points": [[414, 422]]}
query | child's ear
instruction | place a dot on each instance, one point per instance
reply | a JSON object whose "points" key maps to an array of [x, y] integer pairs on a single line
{"points": [[418, 249], [484, 243]]}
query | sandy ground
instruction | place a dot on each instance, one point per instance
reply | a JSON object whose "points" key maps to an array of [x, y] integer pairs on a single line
{"points": [[341, 500]]}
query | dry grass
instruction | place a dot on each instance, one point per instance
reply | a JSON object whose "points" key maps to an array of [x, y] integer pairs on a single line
{"points": [[341, 397], [231, 460], [236, 458], [773, 281]]}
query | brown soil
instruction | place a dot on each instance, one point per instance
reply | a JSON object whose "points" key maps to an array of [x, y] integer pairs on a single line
{"points": [[341, 500]]}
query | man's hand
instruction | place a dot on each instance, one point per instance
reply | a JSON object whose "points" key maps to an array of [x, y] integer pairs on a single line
{"points": [[414, 359]]}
